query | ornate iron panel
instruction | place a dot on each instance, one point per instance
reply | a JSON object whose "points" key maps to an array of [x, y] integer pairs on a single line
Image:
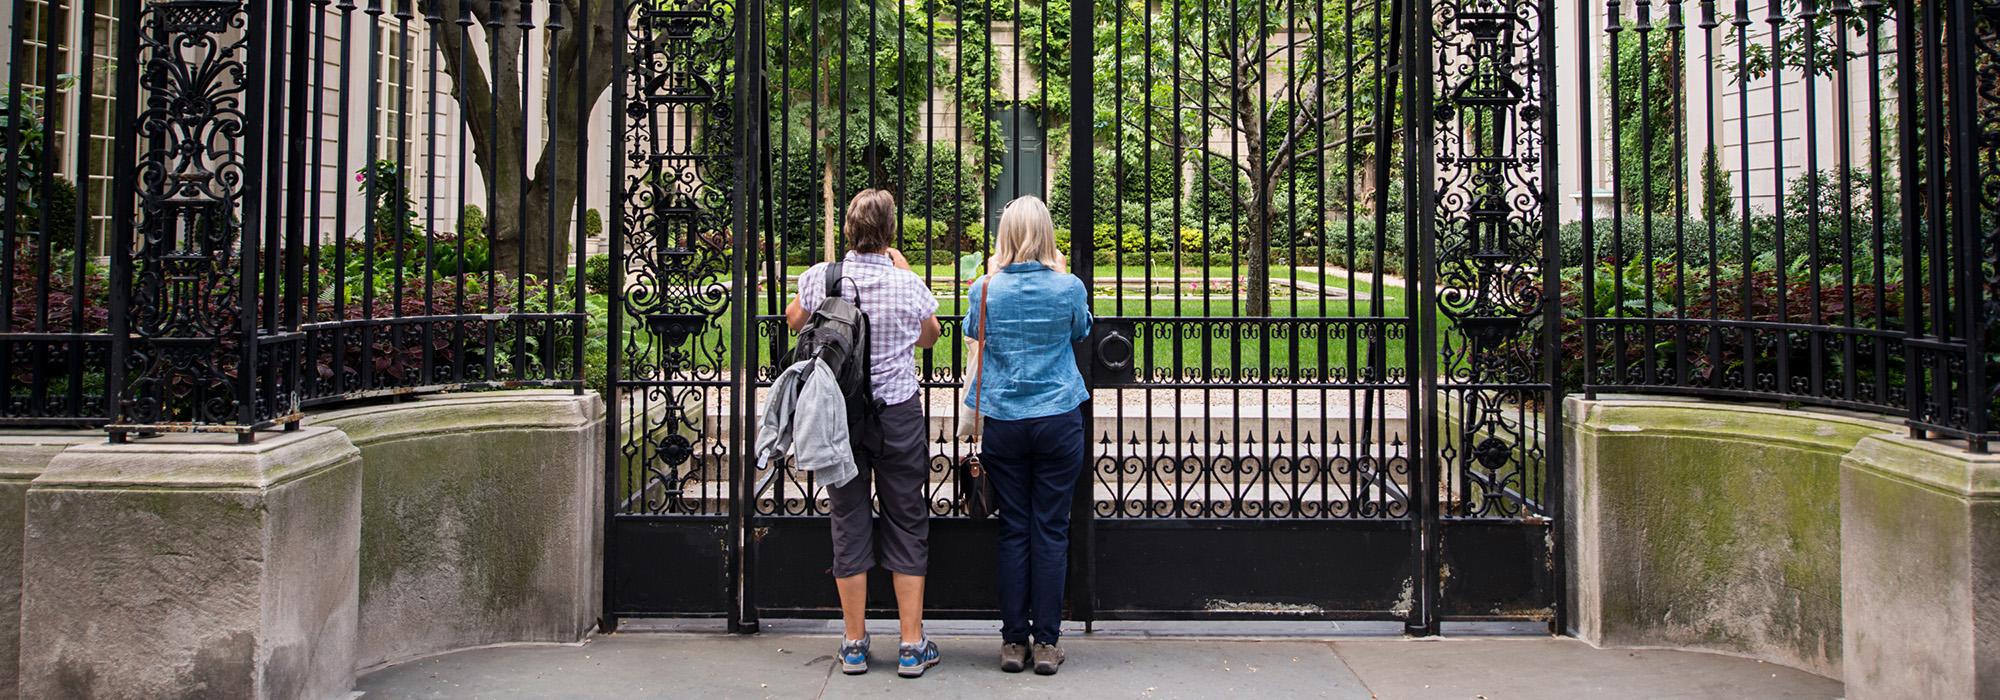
{"points": [[673, 253], [672, 445], [1489, 236], [198, 355]]}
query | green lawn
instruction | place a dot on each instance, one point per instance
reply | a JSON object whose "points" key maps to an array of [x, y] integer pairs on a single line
{"points": [[1302, 332], [1189, 272]]}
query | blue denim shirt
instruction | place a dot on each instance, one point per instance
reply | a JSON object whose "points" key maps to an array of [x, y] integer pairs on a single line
{"points": [[1030, 368]]}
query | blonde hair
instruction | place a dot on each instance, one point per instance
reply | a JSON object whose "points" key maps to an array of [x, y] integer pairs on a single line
{"points": [[1026, 233]]}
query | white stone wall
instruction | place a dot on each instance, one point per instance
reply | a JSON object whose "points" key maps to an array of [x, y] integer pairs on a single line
{"points": [[1580, 35], [440, 158]]}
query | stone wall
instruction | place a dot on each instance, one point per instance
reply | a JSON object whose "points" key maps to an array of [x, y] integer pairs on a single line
{"points": [[1921, 570], [481, 516], [1708, 526], [184, 566], [188, 565], [1820, 540], [23, 456]]}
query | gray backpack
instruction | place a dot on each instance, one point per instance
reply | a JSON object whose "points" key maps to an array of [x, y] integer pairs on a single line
{"points": [[837, 334]]}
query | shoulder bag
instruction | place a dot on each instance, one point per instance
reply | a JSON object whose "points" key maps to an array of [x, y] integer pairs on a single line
{"points": [[975, 487]]}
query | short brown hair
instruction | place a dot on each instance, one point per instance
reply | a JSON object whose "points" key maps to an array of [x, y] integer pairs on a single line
{"points": [[871, 221]]}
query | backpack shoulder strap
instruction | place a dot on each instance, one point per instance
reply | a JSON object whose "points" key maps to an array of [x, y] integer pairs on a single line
{"points": [[833, 279]]}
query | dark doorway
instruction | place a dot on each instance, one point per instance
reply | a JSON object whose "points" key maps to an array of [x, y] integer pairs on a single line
{"points": [[1024, 166]]}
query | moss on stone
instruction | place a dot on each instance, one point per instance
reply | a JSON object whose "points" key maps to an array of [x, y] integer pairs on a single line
{"points": [[470, 526], [1717, 527]]}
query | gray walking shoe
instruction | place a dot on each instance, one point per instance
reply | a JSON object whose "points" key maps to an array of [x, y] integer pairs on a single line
{"points": [[854, 656], [1048, 658], [913, 659], [1013, 657]]}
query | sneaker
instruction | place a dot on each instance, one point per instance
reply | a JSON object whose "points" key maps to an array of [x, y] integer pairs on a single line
{"points": [[854, 656], [1048, 658], [913, 659], [1013, 657]]}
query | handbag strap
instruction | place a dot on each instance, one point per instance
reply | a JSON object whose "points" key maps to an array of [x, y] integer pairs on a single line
{"points": [[985, 338]]}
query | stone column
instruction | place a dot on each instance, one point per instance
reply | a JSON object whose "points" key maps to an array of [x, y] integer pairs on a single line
{"points": [[188, 565], [1920, 570], [23, 456]]}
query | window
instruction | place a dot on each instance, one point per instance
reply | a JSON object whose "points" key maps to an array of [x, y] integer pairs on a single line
{"points": [[49, 34], [397, 102], [99, 143]]}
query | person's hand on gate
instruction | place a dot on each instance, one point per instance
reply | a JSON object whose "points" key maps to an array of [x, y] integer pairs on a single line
{"points": [[896, 257]]}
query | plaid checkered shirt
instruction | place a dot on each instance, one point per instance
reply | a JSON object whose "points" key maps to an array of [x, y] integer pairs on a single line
{"points": [[897, 303]]}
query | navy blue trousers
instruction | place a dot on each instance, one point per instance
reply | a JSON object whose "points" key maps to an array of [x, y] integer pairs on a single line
{"points": [[1034, 465]]}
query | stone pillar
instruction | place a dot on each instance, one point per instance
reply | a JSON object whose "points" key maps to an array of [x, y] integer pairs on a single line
{"points": [[22, 458], [1920, 570], [190, 566]]}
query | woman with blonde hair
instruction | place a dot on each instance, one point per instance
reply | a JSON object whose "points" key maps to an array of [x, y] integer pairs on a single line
{"points": [[1031, 395]]}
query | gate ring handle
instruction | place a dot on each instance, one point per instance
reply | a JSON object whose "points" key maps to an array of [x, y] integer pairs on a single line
{"points": [[1114, 350]]}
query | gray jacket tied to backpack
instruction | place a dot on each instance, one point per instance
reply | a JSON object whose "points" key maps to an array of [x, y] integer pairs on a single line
{"points": [[806, 416]]}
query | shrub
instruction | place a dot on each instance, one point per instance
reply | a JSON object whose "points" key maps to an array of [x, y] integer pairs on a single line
{"points": [[944, 185], [597, 274], [593, 223], [1721, 295], [472, 222], [1621, 239], [59, 205], [1717, 196], [916, 233], [1624, 238], [1351, 243], [1111, 242], [30, 202], [396, 214], [446, 260], [796, 195], [1122, 180], [1213, 198], [1831, 210]]}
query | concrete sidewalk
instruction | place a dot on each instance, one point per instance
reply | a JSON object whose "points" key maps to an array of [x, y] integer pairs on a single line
{"points": [[1365, 664]]}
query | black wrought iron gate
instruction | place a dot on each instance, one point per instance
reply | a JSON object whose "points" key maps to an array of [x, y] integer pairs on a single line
{"points": [[1316, 232]]}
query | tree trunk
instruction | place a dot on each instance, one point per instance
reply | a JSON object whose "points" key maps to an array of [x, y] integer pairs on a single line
{"points": [[1258, 209], [1256, 258], [829, 231], [518, 220], [829, 235], [515, 254]]}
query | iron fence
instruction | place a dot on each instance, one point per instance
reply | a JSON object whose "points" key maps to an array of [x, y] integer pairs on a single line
{"points": [[219, 213], [278, 205], [1800, 202]]}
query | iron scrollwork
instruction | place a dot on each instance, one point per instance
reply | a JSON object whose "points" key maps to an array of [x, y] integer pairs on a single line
{"points": [[187, 300], [1489, 236], [674, 203]]}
